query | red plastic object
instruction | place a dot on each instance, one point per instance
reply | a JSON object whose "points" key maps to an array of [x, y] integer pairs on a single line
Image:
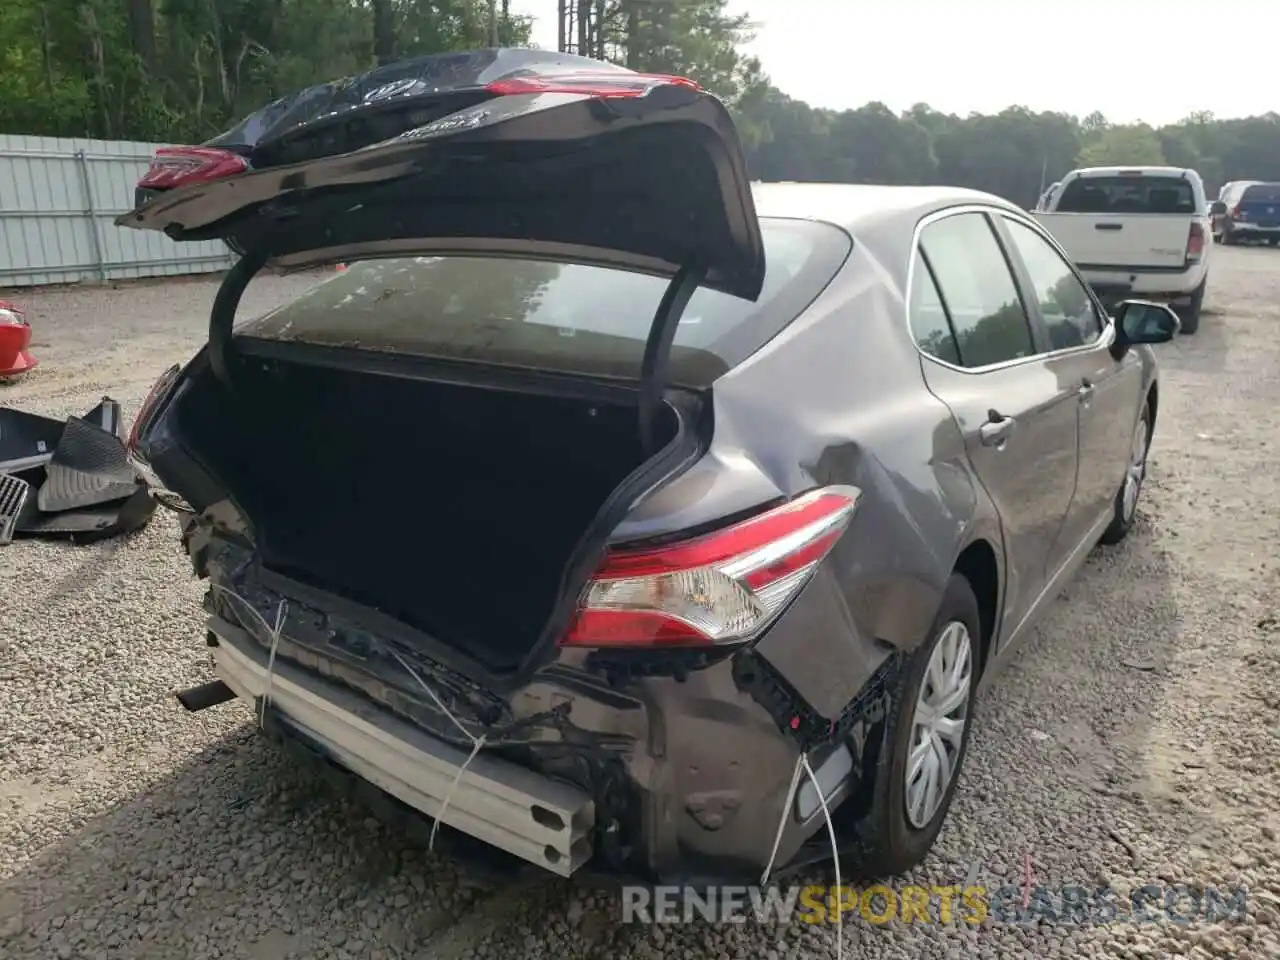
{"points": [[15, 340]]}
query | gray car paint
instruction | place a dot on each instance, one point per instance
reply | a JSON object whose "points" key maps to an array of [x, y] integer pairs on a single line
{"points": [[838, 397], [841, 396]]}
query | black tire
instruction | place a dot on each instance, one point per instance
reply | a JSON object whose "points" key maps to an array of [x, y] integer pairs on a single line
{"points": [[888, 844], [1228, 237], [1122, 521], [1190, 314]]}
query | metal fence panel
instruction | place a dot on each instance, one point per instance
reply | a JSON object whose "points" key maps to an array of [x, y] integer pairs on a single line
{"points": [[58, 200]]}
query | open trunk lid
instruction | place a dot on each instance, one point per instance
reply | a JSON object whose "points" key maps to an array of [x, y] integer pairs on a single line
{"points": [[562, 158]]}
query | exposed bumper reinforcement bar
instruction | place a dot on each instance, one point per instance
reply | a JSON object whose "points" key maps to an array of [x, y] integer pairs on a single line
{"points": [[517, 810]]}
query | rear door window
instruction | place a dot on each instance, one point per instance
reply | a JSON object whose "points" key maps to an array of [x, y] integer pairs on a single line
{"points": [[556, 316], [1138, 193], [1065, 304], [978, 290], [930, 325]]}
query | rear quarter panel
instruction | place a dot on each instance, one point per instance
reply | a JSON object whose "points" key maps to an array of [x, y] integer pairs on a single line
{"points": [[838, 397]]}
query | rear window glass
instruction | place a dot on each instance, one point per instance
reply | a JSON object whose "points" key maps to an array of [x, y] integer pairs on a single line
{"points": [[1136, 194], [561, 317], [1262, 193]]}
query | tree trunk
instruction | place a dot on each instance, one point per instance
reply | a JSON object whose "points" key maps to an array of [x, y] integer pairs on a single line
{"points": [[633, 35], [384, 33], [584, 28], [142, 32]]}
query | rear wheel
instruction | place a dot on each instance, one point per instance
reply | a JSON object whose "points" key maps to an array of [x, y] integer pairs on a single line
{"points": [[1135, 474], [925, 740], [1228, 237], [1190, 314]]}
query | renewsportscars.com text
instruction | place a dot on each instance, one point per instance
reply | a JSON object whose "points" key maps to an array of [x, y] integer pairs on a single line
{"points": [[971, 905]]}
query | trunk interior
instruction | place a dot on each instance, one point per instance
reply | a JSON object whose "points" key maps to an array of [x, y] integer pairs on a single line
{"points": [[452, 508]]}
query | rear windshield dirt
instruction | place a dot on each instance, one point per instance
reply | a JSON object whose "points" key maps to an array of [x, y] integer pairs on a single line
{"points": [[1134, 194], [560, 317]]}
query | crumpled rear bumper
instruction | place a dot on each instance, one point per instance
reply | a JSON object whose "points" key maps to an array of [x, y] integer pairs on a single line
{"points": [[677, 775], [508, 806]]}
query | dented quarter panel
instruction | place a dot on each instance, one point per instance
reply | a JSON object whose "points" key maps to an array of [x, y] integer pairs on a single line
{"points": [[837, 398]]}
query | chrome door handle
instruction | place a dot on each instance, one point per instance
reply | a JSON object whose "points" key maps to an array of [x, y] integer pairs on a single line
{"points": [[996, 431]]}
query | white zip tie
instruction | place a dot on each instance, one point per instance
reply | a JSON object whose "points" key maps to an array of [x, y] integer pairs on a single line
{"points": [[782, 822], [835, 854], [477, 744], [274, 634], [803, 766]]}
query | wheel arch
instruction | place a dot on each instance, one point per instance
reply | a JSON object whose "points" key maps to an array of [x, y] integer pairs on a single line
{"points": [[978, 563]]}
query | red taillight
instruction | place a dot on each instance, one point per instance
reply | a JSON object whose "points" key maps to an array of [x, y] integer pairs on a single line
{"points": [[158, 390], [1237, 213], [605, 84], [715, 589], [1195, 243], [177, 166]]}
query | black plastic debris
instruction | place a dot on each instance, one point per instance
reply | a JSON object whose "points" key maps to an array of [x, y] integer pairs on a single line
{"points": [[69, 480], [91, 524], [107, 416], [28, 439], [89, 467], [14, 493]]}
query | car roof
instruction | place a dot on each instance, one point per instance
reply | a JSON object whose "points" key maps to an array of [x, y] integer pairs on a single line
{"points": [[861, 207]]}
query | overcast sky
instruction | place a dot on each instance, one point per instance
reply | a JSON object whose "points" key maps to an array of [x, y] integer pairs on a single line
{"points": [[1131, 59]]}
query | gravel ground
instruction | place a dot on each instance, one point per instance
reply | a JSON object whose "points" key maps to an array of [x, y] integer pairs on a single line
{"points": [[1133, 741]]}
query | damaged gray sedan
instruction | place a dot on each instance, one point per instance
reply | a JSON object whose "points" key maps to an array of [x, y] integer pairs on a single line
{"points": [[601, 490]]}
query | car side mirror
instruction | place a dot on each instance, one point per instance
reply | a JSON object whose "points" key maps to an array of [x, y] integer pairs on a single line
{"points": [[1141, 321], [1218, 208]]}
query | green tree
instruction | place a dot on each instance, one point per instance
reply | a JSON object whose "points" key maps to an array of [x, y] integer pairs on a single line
{"points": [[1135, 146], [185, 70]]}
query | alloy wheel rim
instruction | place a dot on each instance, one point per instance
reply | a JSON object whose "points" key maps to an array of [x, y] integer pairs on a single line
{"points": [[938, 724], [1136, 471]]}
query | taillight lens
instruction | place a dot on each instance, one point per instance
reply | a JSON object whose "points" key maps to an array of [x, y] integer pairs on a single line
{"points": [[11, 316], [157, 392], [178, 166], [716, 589], [588, 84], [1237, 214], [1195, 243]]}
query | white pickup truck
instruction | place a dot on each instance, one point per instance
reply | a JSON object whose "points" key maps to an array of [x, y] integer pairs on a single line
{"points": [[1136, 232]]}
